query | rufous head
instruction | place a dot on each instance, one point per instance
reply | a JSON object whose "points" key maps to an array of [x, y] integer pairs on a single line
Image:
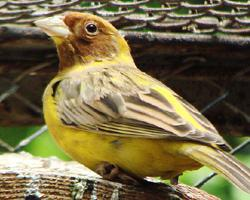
{"points": [[83, 37]]}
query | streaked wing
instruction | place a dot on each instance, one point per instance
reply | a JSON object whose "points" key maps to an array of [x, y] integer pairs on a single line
{"points": [[126, 103]]}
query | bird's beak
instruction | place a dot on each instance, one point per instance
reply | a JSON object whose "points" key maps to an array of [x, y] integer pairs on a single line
{"points": [[53, 26]]}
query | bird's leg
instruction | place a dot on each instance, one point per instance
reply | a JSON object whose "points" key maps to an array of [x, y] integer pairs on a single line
{"points": [[114, 173], [175, 180]]}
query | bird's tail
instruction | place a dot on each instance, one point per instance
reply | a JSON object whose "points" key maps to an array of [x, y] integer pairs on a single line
{"points": [[221, 162]]}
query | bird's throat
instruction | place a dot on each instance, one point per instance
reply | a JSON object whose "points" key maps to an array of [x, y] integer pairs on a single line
{"points": [[67, 55], [72, 52]]}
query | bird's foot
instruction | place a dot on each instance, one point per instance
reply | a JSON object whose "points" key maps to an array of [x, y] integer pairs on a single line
{"points": [[114, 173], [175, 180]]}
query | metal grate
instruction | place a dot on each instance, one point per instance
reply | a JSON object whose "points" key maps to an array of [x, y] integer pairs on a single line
{"points": [[195, 16]]}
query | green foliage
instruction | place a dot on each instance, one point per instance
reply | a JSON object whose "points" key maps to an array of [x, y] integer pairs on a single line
{"points": [[43, 146]]}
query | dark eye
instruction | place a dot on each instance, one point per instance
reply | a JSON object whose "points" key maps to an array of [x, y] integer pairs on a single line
{"points": [[91, 28]]}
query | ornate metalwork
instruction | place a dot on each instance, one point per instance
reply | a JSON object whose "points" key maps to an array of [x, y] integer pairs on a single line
{"points": [[196, 16]]}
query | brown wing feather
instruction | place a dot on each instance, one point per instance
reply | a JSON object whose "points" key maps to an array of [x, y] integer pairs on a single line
{"points": [[111, 102]]}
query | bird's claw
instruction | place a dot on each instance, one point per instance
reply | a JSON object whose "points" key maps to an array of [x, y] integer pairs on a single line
{"points": [[114, 173]]}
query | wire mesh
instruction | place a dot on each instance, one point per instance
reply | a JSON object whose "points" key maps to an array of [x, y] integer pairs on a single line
{"points": [[230, 17]]}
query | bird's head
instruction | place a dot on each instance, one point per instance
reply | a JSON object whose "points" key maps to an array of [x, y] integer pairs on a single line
{"points": [[84, 38]]}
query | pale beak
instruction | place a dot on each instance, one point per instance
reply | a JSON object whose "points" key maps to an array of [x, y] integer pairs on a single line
{"points": [[53, 26]]}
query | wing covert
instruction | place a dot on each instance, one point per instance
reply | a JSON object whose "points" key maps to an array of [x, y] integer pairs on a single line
{"points": [[130, 104]]}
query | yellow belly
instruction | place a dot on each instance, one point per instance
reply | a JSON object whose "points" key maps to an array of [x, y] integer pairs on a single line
{"points": [[142, 157], [138, 156]]}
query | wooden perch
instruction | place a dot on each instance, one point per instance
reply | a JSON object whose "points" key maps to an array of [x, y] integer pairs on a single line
{"points": [[23, 176]]}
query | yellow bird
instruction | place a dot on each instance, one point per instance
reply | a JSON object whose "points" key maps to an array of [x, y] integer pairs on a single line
{"points": [[118, 121]]}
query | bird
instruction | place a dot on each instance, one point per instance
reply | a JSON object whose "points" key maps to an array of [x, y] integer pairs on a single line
{"points": [[118, 121]]}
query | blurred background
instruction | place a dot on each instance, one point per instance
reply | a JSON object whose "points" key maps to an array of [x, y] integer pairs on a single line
{"points": [[199, 48]]}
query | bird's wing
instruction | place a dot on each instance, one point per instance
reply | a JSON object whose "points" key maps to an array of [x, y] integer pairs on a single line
{"points": [[132, 104]]}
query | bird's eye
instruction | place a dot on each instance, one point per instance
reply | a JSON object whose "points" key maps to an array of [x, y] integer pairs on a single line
{"points": [[91, 28]]}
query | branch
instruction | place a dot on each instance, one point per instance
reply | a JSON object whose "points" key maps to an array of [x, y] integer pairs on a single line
{"points": [[24, 176]]}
